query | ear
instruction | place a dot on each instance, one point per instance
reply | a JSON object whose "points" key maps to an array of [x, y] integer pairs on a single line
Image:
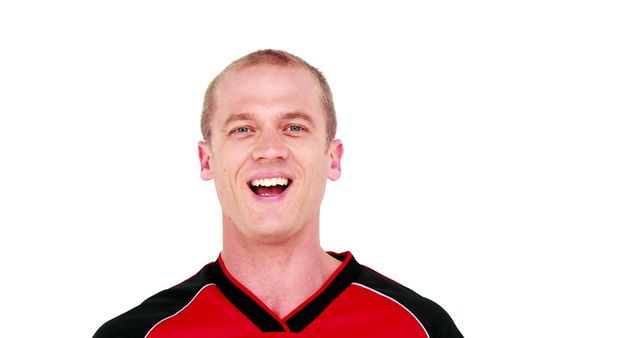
{"points": [[335, 151], [204, 152]]}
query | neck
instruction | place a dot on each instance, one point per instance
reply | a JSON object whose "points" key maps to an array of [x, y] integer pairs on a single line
{"points": [[281, 274]]}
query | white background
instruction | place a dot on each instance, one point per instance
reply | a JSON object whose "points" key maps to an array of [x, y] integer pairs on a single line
{"points": [[491, 164]]}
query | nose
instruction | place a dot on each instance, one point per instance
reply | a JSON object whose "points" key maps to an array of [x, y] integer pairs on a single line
{"points": [[270, 146]]}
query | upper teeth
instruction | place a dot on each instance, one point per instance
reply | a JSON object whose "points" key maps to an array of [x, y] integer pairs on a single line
{"points": [[269, 182]]}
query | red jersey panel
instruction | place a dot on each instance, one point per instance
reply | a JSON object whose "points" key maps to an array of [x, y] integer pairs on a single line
{"points": [[355, 302]]}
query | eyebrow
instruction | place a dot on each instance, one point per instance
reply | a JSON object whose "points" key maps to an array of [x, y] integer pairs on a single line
{"points": [[252, 116], [238, 117], [298, 115]]}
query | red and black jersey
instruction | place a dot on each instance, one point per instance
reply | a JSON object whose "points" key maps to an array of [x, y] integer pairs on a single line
{"points": [[355, 302]]}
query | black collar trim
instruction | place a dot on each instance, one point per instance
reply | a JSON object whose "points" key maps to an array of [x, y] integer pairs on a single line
{"points": [[257, 313], [301, 317]]}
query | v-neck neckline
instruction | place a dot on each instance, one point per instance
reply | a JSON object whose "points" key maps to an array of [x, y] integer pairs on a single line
{"points": [[304, 314]]}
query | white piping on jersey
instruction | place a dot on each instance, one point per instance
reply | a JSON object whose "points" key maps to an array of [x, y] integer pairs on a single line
{"points": [[395, 301], [175, 314]]}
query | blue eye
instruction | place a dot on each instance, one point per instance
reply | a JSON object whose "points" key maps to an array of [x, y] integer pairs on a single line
{"points": [[241, 130], [294, 128]]}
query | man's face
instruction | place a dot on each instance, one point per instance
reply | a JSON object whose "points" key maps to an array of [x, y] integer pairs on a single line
{"points": [[268, 152]]}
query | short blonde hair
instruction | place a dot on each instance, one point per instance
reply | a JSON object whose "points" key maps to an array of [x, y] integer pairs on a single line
{"points": [[270, 57]]}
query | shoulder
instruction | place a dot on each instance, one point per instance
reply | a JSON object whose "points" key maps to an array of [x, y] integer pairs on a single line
{"points": [[432, 316], [136, 322]]}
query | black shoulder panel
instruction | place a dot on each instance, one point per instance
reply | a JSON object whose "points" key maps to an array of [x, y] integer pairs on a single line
{"points": [[432, 316], [136, 322]]}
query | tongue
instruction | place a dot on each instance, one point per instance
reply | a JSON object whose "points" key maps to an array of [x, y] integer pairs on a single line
{"points": [[269, 191]]}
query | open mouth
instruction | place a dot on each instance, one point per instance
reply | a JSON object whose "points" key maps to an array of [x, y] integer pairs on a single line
{"points": [[269, 186]]}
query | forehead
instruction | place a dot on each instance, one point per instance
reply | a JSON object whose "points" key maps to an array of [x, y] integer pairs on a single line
{"points": [[267, 89]]}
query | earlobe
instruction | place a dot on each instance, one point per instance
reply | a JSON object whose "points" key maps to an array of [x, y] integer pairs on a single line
{"points": [[336, 150], [205, 160]]}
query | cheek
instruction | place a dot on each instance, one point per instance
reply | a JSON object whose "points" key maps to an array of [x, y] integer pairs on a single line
{"points": [[223, 164], [316, 165], [229, 163]]}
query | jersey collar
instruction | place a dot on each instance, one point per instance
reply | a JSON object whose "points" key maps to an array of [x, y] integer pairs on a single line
{"points": [[303, 315]]}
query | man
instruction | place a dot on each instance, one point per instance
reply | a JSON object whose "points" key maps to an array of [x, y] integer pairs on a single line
{"points": [[268, 125]]}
